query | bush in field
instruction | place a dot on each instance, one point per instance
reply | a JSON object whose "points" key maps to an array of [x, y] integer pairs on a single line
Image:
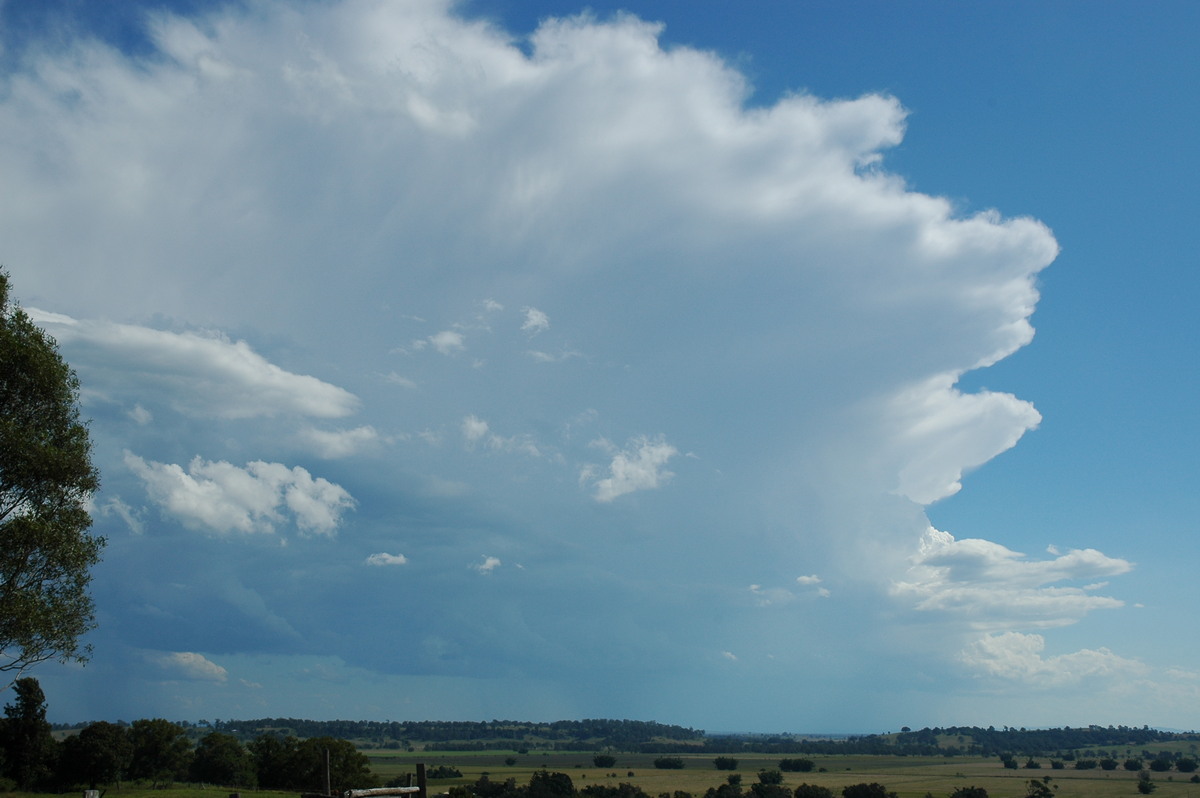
{"points": [[622, 790], [1186, 765], [725, 763], [872, 790], [727, 790], [969, 792], [1144, 784], [604, 760], [1039, 789], [770, 777], [543, 784], [669, 763], [796, 765], [1108, 763], [1085, 764], [1160, 765], [1133, 764], [813, 791], [761, 790], [443, 772], [486, 788]]}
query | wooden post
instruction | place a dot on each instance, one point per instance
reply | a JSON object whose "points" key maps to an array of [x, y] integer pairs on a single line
{"points": [[422, 787], [328, 786]]}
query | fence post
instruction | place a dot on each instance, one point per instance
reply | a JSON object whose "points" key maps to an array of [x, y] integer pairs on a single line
{"points": [[422, 787]]}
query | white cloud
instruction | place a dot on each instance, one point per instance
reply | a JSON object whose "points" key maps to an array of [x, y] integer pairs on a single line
{"points": [[1019, 657], [474, 429], [131, 517], [332, 444], [640, 466], [488, 565], [535, 321], [944, 432], [383, 558], [995, 586], [448, 342], [223, 498], [767, 597], [813, 357], [198, 374], [190, 665], [141, 415]]}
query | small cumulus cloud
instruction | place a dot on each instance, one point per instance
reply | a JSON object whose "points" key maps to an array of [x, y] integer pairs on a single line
{"points": [[383, 558], [334, 444], [190, 666], [223, 498], [392, 378], [995, 586], [535, 321], [476, 430], [729, 655], [1017, 657], [640, 466], [140, 415], [553, 357], [488, 565], [448, 342], [766, 597]]}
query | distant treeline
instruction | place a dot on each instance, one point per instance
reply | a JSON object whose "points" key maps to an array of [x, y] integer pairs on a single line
{"points": [[949, 741], [650, 737], [470, 735]]}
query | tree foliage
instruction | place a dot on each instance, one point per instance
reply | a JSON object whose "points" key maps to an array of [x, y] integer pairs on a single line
{"points": [[221, 759], [872, 790], [29, 749], [161, 753], [99, 754], [46, 479]]}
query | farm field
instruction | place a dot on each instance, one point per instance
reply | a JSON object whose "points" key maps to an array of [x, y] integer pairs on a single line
{"points": [[909, 777]]}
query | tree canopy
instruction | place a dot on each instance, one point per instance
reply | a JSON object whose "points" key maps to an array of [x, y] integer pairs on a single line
{"points": [[46, 480]]}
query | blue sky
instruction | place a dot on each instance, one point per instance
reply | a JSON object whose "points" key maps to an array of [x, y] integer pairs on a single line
{"points": [[493, 361]]}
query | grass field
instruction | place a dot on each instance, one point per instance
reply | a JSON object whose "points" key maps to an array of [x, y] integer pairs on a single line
{"points": [[909, 777]]}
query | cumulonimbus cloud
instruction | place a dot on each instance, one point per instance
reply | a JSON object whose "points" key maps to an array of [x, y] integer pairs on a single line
{"points": [[746, 276]]}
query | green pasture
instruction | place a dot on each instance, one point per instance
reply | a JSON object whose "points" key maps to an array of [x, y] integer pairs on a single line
{"points": [[909, 777]]}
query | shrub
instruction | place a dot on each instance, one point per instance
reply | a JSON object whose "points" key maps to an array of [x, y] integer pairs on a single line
{"points": [[669, 763], [604, 760], [725, 763], [796, 765], [813, 791]]}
